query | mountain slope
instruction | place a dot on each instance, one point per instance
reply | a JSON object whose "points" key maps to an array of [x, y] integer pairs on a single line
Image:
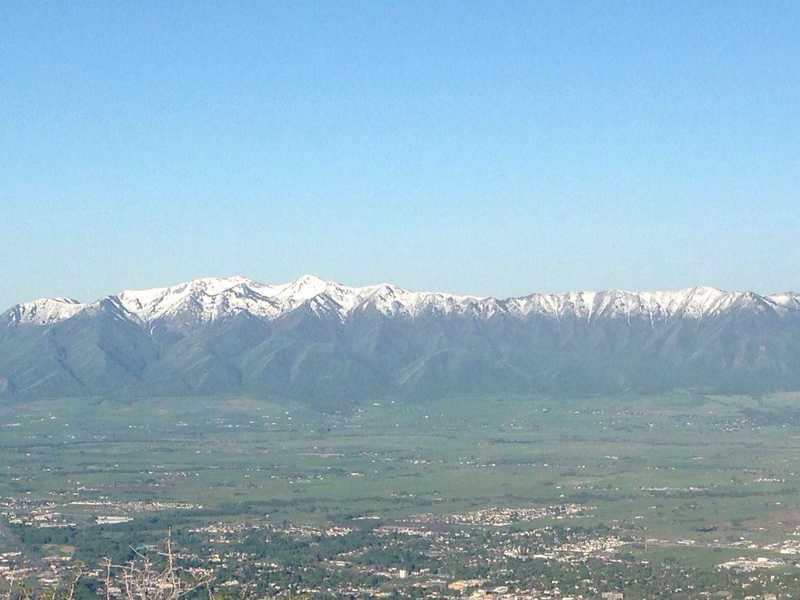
{"points": [[330, 344]]}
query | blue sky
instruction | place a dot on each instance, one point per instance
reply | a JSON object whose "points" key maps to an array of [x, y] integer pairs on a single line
{"points": [[490, 148]]}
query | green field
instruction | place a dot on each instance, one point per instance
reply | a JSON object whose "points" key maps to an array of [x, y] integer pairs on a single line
{"points": [[702, 478], [682, 463]]}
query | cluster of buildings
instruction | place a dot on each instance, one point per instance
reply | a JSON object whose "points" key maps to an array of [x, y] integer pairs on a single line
{"points": [[497, 553], [70, 513], [504, 516]]}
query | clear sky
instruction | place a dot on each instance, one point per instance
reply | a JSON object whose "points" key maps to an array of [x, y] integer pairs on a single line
{"points": [[483, 147]]}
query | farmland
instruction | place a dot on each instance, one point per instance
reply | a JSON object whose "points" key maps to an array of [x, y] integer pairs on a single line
{"points": [[700, 482]]}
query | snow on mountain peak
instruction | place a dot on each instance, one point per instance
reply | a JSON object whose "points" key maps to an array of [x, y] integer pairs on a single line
{"points": [[211, 298], [695, 302], [301, 289], [204, 299], [790, 300], [45, 311]]}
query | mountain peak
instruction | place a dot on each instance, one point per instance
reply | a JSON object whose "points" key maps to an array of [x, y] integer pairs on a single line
{"points": [[317, 340], [309, 279], [209, 298], [45, 311]]}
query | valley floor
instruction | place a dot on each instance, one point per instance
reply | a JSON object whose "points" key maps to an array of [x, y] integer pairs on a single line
{"points": [[674, 496]]}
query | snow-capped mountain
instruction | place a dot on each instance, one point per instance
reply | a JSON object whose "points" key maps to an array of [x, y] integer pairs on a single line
{"points": [[45, 311], [330, 344], [209, 299]]}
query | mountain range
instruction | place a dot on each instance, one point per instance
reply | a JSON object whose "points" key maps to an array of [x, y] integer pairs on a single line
{"points": [[330, 345]]}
